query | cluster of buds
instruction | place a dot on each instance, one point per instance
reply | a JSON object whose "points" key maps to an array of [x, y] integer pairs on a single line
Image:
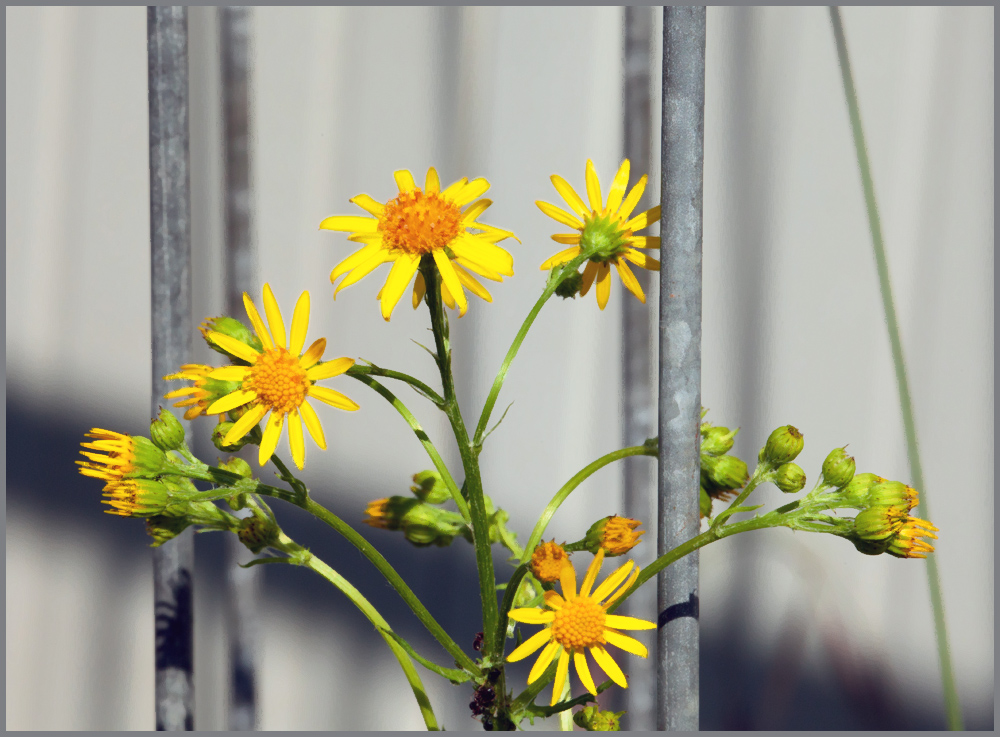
{"points": [[722, 475], [422, 524], [884, 523], [781, 449]]}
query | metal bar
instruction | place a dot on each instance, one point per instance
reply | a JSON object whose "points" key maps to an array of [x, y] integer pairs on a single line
{"points": [[170, 258], [242, 584], [682, 158], [639, 422]]}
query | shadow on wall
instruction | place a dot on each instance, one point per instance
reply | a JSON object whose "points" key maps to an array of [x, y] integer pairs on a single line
{"points": [[739, 689]]}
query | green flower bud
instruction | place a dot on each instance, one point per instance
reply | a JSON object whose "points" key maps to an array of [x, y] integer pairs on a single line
{"points": [[723, 473], [234, 329], [257, 532], [166, 431], [790, 478], [220, 432], [717, 440], [422, 524], [570, 286], [879, 523], [783, 446], [893, 494], [162, 528], [592, 719], [870, 547], [430, 487], [705, 503], [238, 466], [838, 469], [856, 492]]}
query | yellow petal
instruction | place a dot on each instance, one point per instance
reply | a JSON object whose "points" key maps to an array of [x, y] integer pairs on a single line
{"points": [[329, 369], [446, 296], [350, 224], [364, 269], [642, 260], [477, 269], [567, 239], [355, 259], [454, 187], [258, 324], [553, 600], [272, 433], [618, 185], [560, 215], [450, 278], [367, 238], [475, 210], [432, 184], [624, 587], [398, 280], [560, 258], [333, 398], [494, 234], [227, 373], [592, 571], [608, 665], [567, 577], [471, 283], [544, 658], [644, 241], [419, 290], [569, 194], [633, 198], [529, 646], [300, 323], [620, 622], [181, 392], [643, 219], [312, 423], [609, 584], [471, 191], [626, 643], [231, 401], [312, 356], [486, 255], [274, 320], [562, 669], [629, 280], [593, 188], [404, 180], [580, 661], [243, 425], [295, 442], [532, 615], [368, 204], [603, 285], [589, 273]]}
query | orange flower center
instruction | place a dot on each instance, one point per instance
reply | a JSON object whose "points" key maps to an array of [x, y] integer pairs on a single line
{"points": [[417, 223], [280, 382], [579, 624]]}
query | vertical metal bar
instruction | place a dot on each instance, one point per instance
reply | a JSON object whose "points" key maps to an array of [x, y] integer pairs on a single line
{"points": [[242, 584], [682, 157], [170, 237], [637, 336]]}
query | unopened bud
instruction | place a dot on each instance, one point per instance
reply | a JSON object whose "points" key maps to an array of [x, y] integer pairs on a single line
{"points": [[166, 431], [162, 528], [219, 433], [783, 446], [430, 487], [838, 469], [230, 327], [592, 719], [723, 473], [238, 466], [257, 532], [856, 492], [879, 523], [790, 478], [894, 494], [616, 535], [570, 286], [717, 440]]}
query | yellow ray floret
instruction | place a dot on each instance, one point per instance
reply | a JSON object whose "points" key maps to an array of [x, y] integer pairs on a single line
{"points": [[279, 379], [423, 226], [577, 622], [605, 231]]}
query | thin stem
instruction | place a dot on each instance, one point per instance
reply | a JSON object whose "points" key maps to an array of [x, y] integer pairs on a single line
{"points": [[456, 493], [952, 704], [421, 387], [569, 486]]}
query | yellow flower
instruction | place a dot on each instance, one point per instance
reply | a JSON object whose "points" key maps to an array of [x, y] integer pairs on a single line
{"points": [[136, 498], [548, 560], [605, 231], [196, 398], [119, 456], [615, 535], [278, 379], [424, 223], [580, 622], [907, 543]]}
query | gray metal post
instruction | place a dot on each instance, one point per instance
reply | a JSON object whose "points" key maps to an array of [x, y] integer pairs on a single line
{"points": [[682, 157], [639, 422], [170, 236], [242, 584]]}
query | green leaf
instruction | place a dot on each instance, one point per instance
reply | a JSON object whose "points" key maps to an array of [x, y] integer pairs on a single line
{"points": [[455, 675]]}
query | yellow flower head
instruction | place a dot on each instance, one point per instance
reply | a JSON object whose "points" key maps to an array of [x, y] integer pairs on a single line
{"points": [[418, 223], [604, 231], [198, 397], [135, 498], [119, 456], [278, 379], [379, 516], [548, 560], [618, 535], [577, 622], [907, 542]]}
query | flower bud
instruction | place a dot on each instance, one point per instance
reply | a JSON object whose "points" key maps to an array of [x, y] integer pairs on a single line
{"points": [[219, 433], [856, 492], [138, 498], [790, 478], [570, 286], [717, 440], [723, 473], [257, 532], [870, 547], [238, 466], [838, 469], [548, 560], [894, 494], [166, 431], [430, 487], [162, 528], [592, 719], [878, 523], [387, 514], [615, 534], [705, 503], [907, 542], [231, 327], [783, 446]]}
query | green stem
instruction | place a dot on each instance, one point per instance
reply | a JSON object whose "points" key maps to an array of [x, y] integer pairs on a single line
{"points": [[569, 486], [356, 597], [421, 387], [456, 493], [555, 279], [470, 463], [952, 704]]}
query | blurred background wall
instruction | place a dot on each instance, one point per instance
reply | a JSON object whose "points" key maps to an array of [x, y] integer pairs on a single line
{"points": [[797, 631]]}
